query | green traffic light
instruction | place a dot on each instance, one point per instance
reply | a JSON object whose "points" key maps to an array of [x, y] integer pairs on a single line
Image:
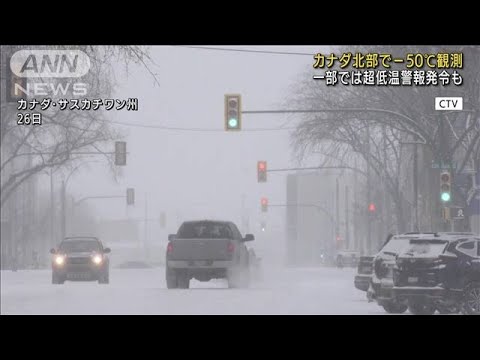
{"points": [[445, 196], [232, 123]]}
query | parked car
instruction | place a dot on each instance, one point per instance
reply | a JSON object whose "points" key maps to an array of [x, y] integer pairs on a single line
{"points": [[364, 273], [441, 272], [347, 258], [381, 285]]}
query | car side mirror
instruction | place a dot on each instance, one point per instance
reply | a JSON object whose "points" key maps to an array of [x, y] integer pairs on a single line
{"points": [[172, 237], [107, 250], [249, 237], [53, 251]]}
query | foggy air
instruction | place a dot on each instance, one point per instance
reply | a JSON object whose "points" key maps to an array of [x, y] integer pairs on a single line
{"points": [[270, 180]]}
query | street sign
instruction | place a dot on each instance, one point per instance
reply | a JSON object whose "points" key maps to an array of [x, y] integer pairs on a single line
{"points": [[442, 165], [120, 153], [457, 213]]}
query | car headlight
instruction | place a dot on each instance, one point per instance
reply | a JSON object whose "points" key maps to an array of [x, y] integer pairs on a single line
{"points": [[97, 259], [59, 260]]}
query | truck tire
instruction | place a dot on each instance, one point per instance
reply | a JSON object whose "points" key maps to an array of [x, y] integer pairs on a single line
{"points": [[471, 299], [392, 307], [183, 281], [171, 278], [421, 307]]}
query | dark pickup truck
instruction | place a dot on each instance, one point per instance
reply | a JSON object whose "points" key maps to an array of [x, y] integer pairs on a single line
{"points": [[205, 250]]}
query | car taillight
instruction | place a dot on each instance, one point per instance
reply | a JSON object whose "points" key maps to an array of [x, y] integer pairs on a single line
{"points": [[169, 247], [230, 247]]}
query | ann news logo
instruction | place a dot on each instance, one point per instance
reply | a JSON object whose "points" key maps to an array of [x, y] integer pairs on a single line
{"points": [[51, 73]]}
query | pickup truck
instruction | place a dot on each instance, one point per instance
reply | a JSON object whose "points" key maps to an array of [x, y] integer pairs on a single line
{"points": [[205, 250]]}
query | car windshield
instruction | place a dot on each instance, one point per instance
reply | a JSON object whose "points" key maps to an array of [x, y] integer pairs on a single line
{"points": [[81, 245], [204, 230], [427, 248]]}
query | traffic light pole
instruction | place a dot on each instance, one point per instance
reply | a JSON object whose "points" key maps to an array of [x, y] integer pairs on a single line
{"points": [[319, 168], [98, 197]]}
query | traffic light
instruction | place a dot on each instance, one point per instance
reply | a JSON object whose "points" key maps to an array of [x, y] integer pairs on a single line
{"points": [[233, 112], [130, 196], [120, 153], [264, 204], [163, 219], [445, 186], [262, 171], [372, 208]]}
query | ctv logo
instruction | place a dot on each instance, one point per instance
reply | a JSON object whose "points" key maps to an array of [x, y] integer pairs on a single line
{"points": [[449, 103], [47, 73]]}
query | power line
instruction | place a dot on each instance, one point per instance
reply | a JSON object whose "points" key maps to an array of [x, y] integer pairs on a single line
{"points": [[247, 50], [167, 128]]}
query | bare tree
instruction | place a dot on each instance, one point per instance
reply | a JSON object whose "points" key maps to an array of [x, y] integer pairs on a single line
{"points": [[373, 121], [29, 150]]}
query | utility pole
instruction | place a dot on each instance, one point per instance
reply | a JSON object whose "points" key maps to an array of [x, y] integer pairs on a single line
{"points": [[347, 220], [415, 187], [63, 214], [52, 212], [146, 222], [356, 228], [244, 216], [385, 206], [337, 207], [369, 221]]}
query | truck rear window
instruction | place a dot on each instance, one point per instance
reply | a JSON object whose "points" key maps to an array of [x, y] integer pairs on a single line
{"points": [[204, 230]]}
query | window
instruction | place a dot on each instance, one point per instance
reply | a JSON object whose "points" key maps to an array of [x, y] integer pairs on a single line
{"points": [[425, 247], [236, 232], [204, 230], [72, 246], [468, 248]]}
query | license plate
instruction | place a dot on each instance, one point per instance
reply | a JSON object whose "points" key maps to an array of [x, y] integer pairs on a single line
{"points": [[413, 279], [78, 276]]}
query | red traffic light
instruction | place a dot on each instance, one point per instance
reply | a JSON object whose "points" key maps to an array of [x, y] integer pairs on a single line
{"points": [[372, 207], [445, 177], [262, 171], [264, 204], [338, 238]]}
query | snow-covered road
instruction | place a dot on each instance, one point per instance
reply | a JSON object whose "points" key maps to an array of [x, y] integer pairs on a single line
{"points": [[143, 291]]}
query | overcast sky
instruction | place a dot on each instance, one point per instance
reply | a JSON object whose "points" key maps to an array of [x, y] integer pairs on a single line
{"points": [[200, 174]]}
